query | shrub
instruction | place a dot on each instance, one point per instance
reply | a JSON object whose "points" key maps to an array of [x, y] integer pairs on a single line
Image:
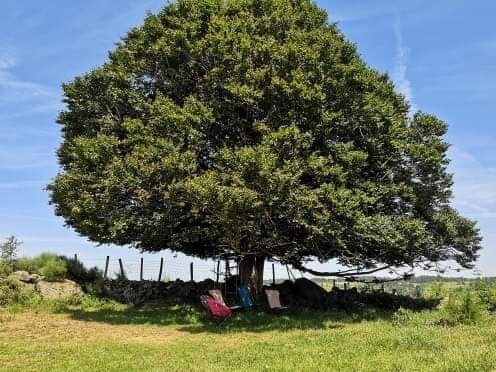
{"points": [[12, 292], [436, 290], [90, 280], [463, 307], [5, 269], [80, 274], [486, 291], [384, 301], [96, 288], [43, 258], [405, 317], [53, 269], [401, 317], [26, 264], [51, 266]]}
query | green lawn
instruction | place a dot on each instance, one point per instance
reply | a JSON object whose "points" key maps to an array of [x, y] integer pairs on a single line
{"points": [[118, 338]]}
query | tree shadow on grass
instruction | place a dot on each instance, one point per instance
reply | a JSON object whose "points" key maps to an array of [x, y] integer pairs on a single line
{"points": [[195, 320], [147, 315], [304, 319]]}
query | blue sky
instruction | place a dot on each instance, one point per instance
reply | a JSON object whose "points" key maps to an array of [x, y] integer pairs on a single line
{"points": [[440, 53]]}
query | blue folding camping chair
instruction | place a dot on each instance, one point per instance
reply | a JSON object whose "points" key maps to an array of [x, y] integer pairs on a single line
{"points": [[246, 300]]}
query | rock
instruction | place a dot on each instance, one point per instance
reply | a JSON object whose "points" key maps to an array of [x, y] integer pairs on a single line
{"points": [[58, 290], [22, 276], [203, 287], [286, 290], [310, 291], [24, 285], [36, 278], [25, 277]]}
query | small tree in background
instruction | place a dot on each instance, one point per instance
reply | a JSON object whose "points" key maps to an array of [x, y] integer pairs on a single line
{"points": [[9, 250], [253, 127]]}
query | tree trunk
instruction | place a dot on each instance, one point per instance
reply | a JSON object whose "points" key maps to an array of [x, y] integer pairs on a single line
{"points": [[246, 264], [258, 272], [251, 270]]}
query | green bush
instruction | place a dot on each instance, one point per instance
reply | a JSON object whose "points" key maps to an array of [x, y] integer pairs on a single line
{"points": [[5, 269], [486, 291], [77, 272], [401, 317], [12, 292], [53, 269], [26, 264], [90, 280], [51, 266], [96, 288], [436, 290], [463, 307], [43, 258]]}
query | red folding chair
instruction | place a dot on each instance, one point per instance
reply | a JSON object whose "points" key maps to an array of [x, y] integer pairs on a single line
{"points": [[217, 296], [217, 311]]}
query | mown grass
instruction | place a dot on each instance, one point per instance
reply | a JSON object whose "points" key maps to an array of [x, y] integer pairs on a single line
{"points": [[105, 336]]}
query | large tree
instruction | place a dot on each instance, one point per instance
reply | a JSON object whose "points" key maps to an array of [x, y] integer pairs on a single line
{"points": [[254, 127]]}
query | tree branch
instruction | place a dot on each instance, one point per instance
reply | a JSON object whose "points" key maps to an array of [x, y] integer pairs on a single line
{"points": [[344, 273], [379, 281]]}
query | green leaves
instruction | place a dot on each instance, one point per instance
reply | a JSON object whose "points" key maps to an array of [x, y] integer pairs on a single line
{"points": [[254, 126]]}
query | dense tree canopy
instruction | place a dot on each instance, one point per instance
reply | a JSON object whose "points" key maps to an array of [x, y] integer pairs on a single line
{"points": [[254, 127]]}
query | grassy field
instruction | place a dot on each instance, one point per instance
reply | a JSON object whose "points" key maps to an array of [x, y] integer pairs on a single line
{"points": [[118, 338]]}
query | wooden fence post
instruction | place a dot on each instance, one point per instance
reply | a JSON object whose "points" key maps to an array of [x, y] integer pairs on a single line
{"points": [[218, 273], [123, 274], [161, 269], [191, 271], [141, 269], [106, 267], [273, 274]]}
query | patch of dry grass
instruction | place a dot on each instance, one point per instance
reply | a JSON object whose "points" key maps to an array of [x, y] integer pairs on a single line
{"points": [[61, 327]]}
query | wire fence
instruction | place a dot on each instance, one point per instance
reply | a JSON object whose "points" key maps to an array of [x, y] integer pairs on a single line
{"points": [[149, 268]]}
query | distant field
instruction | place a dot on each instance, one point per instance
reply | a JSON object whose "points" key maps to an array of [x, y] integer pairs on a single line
{"points": [[119, 338]]}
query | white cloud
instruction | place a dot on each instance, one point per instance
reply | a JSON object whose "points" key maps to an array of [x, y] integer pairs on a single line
{"points": [[350, 11], [462, 159], [475, 185], [475, 191], [400, 76], [6, 62], [475, 197], [15, 90]]}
